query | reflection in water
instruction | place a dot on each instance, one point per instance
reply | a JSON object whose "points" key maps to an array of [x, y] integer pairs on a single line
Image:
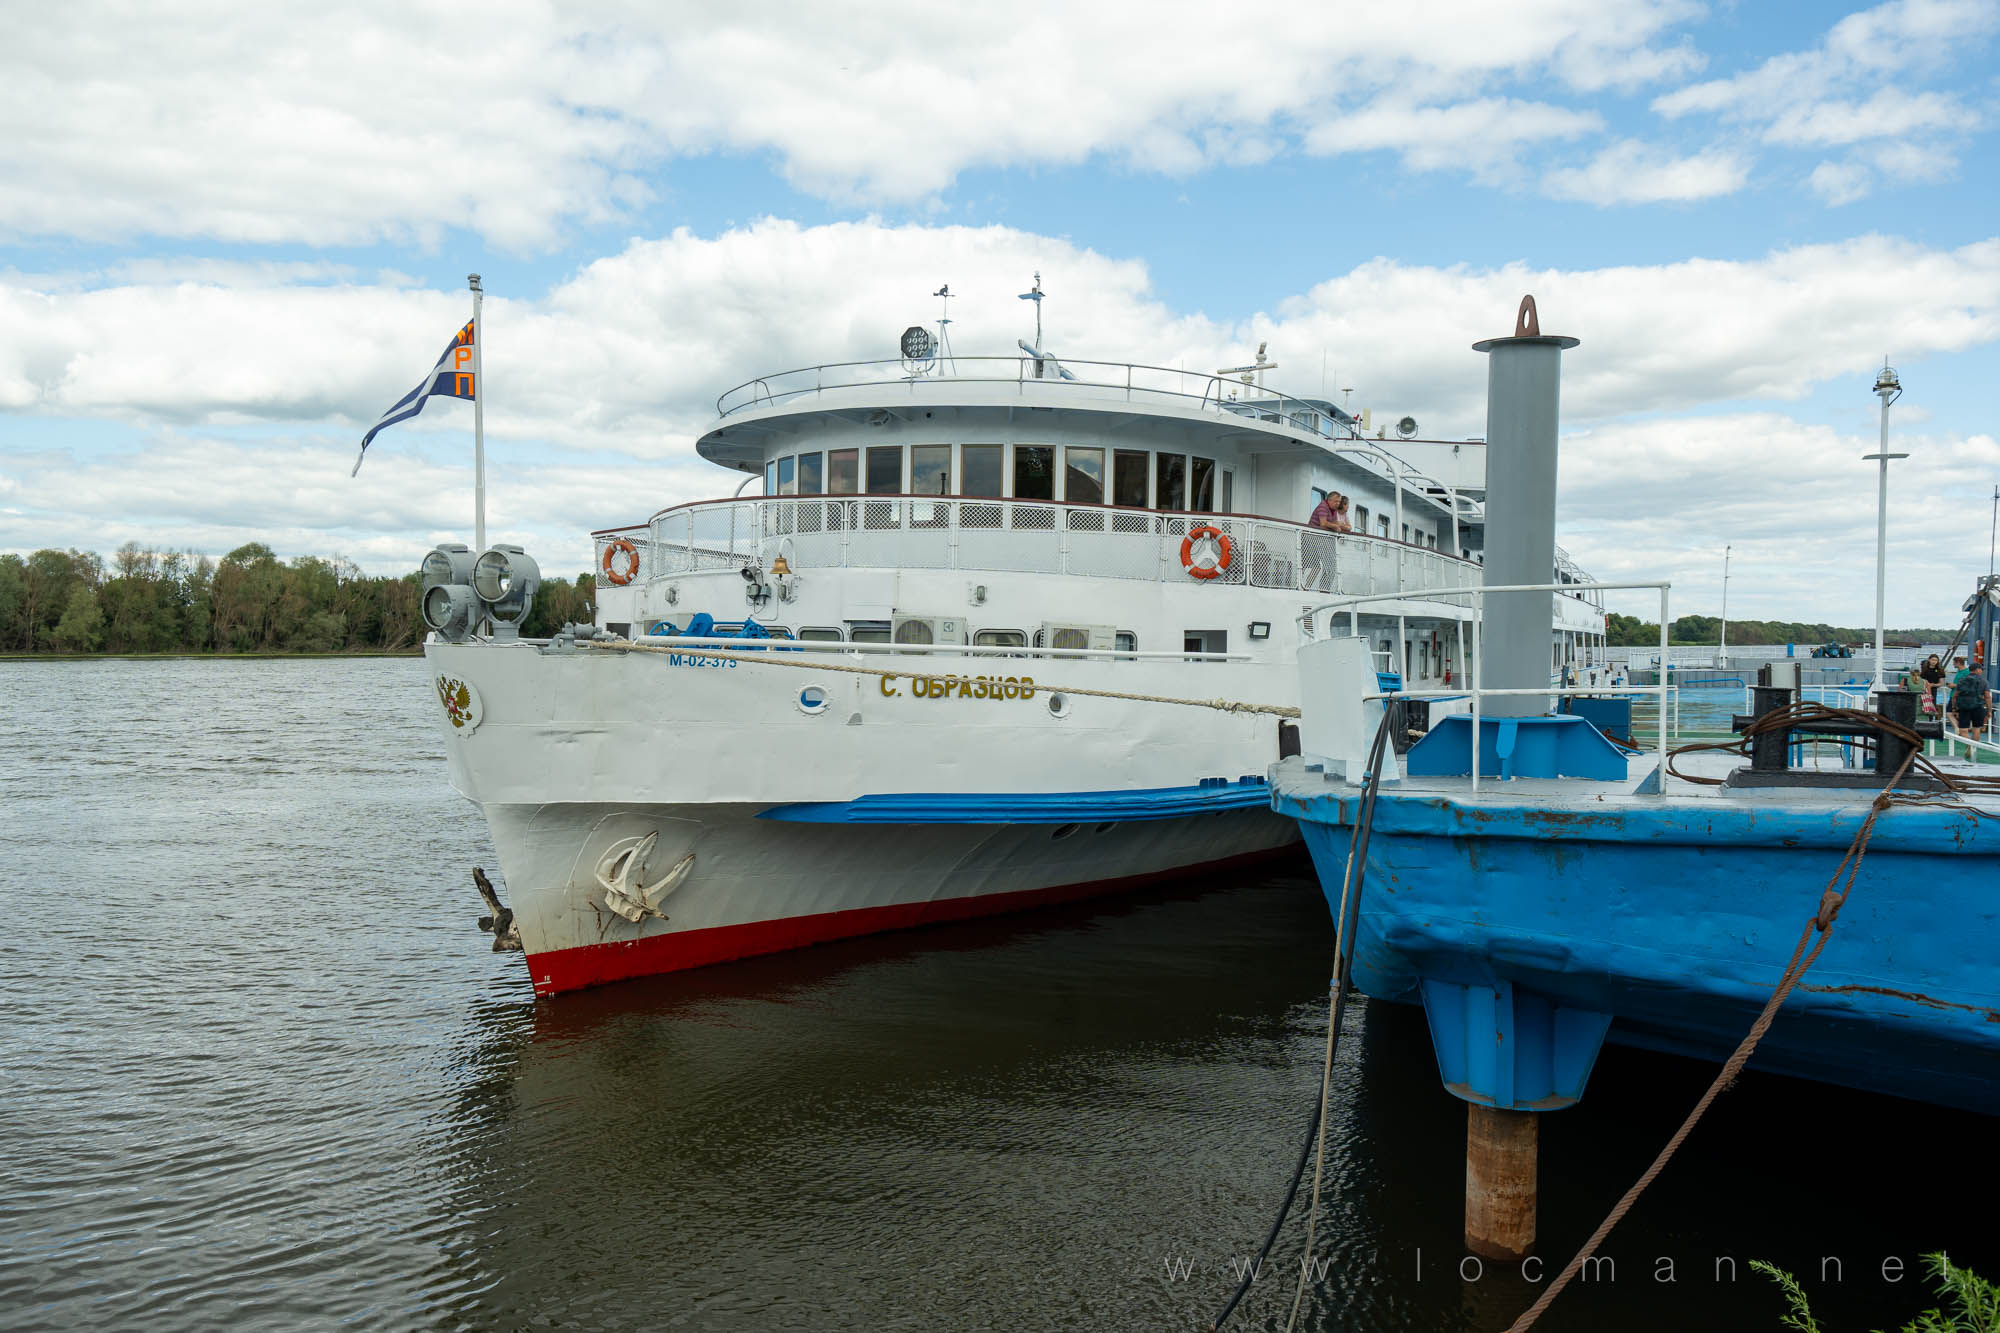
{"points": [[261, 1070]]}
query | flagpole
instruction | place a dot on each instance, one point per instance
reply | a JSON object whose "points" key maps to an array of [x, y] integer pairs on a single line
{"points": [[478, 422]]}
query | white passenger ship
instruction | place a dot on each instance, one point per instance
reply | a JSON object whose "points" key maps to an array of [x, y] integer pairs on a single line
{"points": [[922, 676]]}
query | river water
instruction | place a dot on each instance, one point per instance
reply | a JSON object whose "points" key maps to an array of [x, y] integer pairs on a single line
{"points": [[259, 1070]]}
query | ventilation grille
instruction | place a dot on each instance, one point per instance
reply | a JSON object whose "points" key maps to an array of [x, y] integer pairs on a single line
{"points": [[915, 631]]}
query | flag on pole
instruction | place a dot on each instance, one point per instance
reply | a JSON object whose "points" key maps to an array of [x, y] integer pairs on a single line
{"points": [[451, 377]]}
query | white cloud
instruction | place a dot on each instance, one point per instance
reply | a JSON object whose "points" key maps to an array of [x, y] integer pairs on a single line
{"points": [[1482, 136], [1808, 98], [1841, 182], [597, 389], [1630, 172], [628, 356], [1795, 501], [1890, 113], [381, 120]]}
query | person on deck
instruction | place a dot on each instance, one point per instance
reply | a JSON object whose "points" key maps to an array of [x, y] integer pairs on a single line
{"points": [[1330, 513], [1932, 672], [1971, 701]]}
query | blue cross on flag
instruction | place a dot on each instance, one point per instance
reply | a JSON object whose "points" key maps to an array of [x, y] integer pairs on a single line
{"points": [[451, 377]]}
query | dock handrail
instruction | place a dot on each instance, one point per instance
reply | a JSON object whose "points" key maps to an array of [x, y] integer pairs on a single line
{"points": [[1477, 690]]}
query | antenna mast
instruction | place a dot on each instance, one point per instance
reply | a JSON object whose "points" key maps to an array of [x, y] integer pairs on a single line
{"points": [[1992, 531], [944, 323], [1035, 295]]}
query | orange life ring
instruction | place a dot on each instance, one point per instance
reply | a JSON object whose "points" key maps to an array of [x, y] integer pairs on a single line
{"points": [[1978, 654], [631, 570], [1223, 552]]}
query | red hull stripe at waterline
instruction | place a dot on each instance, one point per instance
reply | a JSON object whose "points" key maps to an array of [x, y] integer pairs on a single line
{"points": [[676, 951]]}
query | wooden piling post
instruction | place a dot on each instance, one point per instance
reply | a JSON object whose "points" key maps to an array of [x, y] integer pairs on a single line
{"points": [[1500, 1175]]}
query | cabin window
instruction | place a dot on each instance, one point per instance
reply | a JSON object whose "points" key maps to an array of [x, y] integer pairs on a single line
{"points": [[1228, 505], [1034, 472], [812, 475], [930, 469], [1083, 476], [982, 469], [1128, 478], [1125, 641], [843, 471], [1406, 537], [1382, 520], [885, 469], [820, 635], [868, 631], [788, 475], [1361, 525], [1205, 641], [1000, 638], [1202, 491], [771, 477], [1171, 492]]}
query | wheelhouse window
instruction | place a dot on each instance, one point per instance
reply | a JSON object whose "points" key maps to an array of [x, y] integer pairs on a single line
{"points": [[1034, 472], [1171, 473], [788, 475], [982, 469], [1083, 476], [1202, 492], [930, 469], [885, 469], [812, 474], [1128, 478], [843, 471]]}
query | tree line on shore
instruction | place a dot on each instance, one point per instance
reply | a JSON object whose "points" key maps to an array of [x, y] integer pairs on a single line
{"points": [[250, 601], [1631, 632]]}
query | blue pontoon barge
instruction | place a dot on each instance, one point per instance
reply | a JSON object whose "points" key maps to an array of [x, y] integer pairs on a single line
{"points": [[1566, 890]]}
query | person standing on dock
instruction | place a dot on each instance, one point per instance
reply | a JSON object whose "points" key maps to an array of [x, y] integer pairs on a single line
{"points": [[1932, 672], [1971, 701]]}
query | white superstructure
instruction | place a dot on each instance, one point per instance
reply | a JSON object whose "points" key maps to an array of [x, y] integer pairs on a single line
{"points": [[980, 579]]}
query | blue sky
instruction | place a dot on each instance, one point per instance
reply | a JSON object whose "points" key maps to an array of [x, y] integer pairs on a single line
{"points": [[230, 238]]}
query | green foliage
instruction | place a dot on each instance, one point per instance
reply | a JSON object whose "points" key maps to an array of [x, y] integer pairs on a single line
{"points": [[148, 602], [1630, 632], [81, 629], [1977, 1301], [249, 602]]}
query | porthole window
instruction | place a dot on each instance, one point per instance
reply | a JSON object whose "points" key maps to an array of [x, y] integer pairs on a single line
{"points": [[1063, 831], [1105, 827], [812, 700], [1058, 705]]}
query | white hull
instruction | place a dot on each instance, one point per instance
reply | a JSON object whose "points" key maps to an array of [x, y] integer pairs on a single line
{"points": [[577, 755]]}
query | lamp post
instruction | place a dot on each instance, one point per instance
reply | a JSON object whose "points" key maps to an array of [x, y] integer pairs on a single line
{"points": [[1722, 644], [1888, 388]]}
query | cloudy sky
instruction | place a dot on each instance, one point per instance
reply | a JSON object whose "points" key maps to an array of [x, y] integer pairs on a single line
{"points": [[231, 235]]}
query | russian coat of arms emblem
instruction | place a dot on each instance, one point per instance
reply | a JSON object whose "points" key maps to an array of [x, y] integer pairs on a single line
{"points": [[461, 703]]}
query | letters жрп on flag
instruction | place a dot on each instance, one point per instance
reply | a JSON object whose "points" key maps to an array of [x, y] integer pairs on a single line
{"points": [[451, 377]]}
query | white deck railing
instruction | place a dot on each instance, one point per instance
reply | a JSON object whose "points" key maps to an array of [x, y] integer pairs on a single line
{"points": [[1476, 687], [1023, 536]]}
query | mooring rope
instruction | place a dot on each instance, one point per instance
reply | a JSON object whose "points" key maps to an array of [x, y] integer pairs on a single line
{"points": [[1343, 956], [1802, 716], [783, 658], [1830, 902]]}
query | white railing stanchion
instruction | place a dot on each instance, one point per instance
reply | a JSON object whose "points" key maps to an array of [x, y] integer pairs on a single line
{"points": [[1661, 739], [1478, 630]]}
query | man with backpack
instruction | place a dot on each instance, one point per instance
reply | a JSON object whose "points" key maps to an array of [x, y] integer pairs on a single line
{"points": [[1969, 698]]}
